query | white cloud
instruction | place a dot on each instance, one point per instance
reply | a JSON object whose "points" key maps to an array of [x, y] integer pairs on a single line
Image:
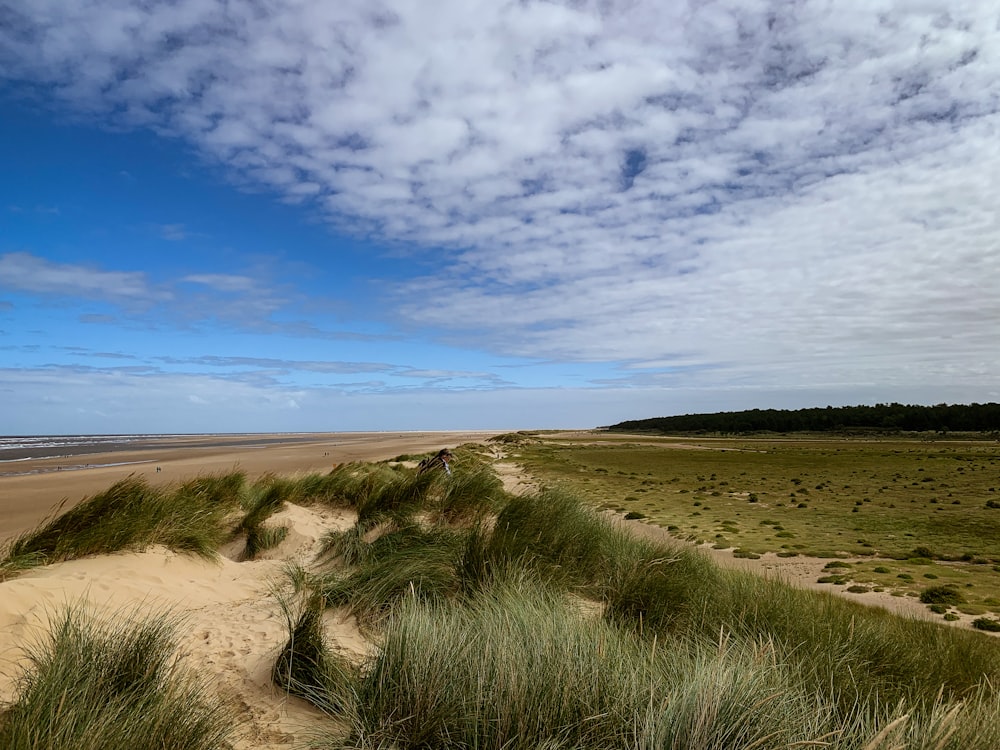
{"points": [[27, 273], [775, 191], [173, 232]]}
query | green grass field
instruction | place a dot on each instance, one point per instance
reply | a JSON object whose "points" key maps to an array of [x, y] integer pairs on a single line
{"points": [[920, 509]]}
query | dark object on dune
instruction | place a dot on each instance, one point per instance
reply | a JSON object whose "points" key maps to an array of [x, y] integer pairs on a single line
{"points": [[441, 459]]}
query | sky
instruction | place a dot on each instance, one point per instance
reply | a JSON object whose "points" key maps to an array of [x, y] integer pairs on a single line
{"points": [[298, 215]]}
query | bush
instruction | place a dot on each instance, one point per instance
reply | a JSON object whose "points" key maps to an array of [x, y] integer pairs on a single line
{"points": [[834, 579], [941, 595], [986, 623]]}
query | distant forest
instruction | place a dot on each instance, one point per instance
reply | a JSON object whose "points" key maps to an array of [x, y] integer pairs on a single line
{"points": [[878, 418]]}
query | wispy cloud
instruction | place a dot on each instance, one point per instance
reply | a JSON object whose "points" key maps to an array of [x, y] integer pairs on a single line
{"points": [[173, 232], [81, 351], [281, 364], [29, 273], [98, 319], [781, 191], [284, 366]]}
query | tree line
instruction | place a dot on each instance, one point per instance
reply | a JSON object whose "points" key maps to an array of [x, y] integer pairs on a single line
{"points": [[879, 418]]}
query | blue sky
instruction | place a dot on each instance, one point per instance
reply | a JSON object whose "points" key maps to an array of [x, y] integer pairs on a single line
{"points": [[349, 216]]}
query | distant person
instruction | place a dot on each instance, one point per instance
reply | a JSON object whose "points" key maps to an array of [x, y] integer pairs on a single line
{"points": [[441, 459]]}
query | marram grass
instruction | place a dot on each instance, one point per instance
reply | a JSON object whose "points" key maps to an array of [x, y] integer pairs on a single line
{"points": [[128, 516], [111, 684], [474, 599]]}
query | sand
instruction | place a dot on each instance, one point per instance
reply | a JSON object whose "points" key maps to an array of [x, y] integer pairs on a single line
{"points": [[32, 490], [233, 626]]}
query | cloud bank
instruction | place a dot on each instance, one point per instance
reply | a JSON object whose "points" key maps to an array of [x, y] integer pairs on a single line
{"points": [[792, 193]]}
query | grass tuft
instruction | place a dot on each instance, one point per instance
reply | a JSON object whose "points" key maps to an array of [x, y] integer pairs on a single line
{"points": [[130, 515], [306, 666], [409, 561], [108, 685]]}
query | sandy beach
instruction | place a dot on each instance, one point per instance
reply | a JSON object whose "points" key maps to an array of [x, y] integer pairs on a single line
{"points": [[32, 488]]}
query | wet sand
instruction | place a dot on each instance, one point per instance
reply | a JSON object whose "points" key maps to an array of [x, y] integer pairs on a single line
{"points": [[32, 489]]}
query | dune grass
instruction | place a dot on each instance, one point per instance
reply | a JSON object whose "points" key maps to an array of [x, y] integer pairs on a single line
{"points": [[260, 501], [472, 492], [195, 516], [306, 666], [533, 621], [554, 535], [520, 665], [410, 561], [111, 684], [480, 646], [130, 516], [514, 668]]}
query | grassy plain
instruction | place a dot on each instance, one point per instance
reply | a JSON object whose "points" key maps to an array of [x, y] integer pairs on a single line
{"points": [[917, 511]]}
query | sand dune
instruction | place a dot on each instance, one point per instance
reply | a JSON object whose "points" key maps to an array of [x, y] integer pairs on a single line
{"points": [[232, 624]]}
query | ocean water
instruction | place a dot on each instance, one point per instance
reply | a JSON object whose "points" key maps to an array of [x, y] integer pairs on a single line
{"points": [[18, 449], [27, 447]]}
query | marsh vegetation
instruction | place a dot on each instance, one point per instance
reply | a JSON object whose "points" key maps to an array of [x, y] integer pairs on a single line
{"points": [[910, 513]]}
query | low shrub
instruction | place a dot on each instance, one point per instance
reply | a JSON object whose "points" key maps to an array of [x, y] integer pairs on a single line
{"points": [[941, 595]]}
